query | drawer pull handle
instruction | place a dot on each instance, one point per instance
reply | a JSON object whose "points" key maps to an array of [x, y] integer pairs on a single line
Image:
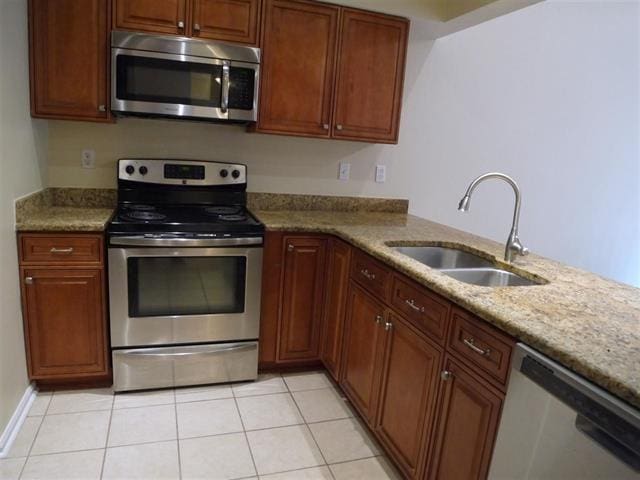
{"points": [[446, 375], [28, 280], [368, 275], [471, 343], [61, 250], [414, 305], [378, 319], [388, 326]]}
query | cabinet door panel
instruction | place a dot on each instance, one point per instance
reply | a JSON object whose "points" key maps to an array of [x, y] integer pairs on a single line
{"points": [[64, 311], [298, 48], [157, 16], [408, 394], [363, 350], [335, 305], [468, 421], [68, 54], [272, 270], [370, 77], [228, 20], [302, 298]]}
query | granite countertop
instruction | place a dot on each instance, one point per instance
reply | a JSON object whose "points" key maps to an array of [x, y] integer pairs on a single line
{"points": [[65, 210], [583, 321]]}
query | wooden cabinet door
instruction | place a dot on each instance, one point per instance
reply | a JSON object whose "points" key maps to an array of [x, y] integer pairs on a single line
{"points": [[335, 305], [68, 57], [157, 16], [228, 20], [272, 266], [363, 350], [65, 330], [370, 77], [302, 298], [408, 394], [298, 59], [467, 425]]}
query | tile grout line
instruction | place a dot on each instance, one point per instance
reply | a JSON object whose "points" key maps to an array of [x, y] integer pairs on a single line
{"points": [[175, 409], [106, 442], [246, 437], [33, 442]]}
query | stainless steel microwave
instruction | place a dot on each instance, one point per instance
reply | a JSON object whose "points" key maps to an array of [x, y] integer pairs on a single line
{"points": [[166, 76]]}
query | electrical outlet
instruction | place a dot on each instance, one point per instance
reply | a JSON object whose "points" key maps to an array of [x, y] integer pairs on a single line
{"points": [[345, 171], [381, 173], [88, 158]]}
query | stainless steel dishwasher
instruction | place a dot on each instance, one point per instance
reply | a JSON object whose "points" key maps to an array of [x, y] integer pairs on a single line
{"points": [[557, 426]]}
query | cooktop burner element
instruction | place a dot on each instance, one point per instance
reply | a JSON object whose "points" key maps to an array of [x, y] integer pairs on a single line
{"points": [[223, 210], [141, 207], [143, 215], [232, 218]]}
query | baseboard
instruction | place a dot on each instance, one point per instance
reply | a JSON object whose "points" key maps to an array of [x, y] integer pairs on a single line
{"points": [[16, 420]]}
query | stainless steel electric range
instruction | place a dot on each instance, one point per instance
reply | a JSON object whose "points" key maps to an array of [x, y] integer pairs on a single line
{"points": [[185, 271]]}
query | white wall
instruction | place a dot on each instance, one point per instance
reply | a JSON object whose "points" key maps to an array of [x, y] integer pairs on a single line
{"points": [[22, 152], [548, 94]]}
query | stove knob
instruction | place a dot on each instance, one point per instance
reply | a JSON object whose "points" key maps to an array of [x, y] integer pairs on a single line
{"points": [[224, 172], [129, 169], [235, 173], [143, 170]]}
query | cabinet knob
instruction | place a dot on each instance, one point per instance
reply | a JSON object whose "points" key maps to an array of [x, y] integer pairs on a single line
{"points": [[446, 375], [388, 326], [378, 319], [102, 108], [290, 248], [325, 126], [338, 127], [180, 24], [28, 280], [196, 27]]}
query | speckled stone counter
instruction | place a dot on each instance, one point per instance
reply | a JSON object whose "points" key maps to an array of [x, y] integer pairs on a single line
{"points": [[65, 210], [588, 323]]}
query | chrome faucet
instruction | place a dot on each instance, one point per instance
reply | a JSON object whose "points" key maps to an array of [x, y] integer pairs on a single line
{"points": [[513, 242]]}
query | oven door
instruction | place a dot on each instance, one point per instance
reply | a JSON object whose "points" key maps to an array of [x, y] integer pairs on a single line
{"points": [[168, 296], [168, 84]]}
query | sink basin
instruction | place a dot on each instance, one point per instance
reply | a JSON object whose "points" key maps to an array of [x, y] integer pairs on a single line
{"points": [[444, 258], [489, 277]]}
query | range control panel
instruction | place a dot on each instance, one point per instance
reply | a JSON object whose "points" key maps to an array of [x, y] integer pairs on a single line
{"points": [[181, 172]]}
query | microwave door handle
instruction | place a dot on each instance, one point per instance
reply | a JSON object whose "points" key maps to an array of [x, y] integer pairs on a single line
{"points": [[224, 107]]}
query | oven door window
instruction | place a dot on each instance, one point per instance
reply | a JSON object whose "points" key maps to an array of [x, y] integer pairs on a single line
{"points": [[163, 286], [168, 81]]}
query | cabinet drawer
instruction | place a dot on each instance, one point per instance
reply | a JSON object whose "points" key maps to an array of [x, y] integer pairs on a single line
{"points": [[425, 310], [371, 275], [60, 249], [480, 346]]}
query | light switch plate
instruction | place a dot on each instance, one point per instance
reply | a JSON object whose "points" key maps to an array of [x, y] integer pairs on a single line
{"points": [[381, 173], [345, 171], [88, 158]]}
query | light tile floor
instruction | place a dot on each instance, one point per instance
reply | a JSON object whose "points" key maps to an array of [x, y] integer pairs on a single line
{"points": [[281, 427]]}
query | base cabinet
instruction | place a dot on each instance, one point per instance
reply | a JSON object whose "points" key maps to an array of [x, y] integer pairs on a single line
{"points": [[467, 423], [363, 350], [408, 394], [63, 305], [339, 257]]}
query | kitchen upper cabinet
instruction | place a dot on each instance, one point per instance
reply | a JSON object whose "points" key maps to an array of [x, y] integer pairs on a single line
{"points": [[64, 306], [68, 55], [467, 424], [228, 20], [408, 394], [335, 305], [310, 87], [157, 16], [302, 298], [370, 77], [363, 351], [298, 66]]}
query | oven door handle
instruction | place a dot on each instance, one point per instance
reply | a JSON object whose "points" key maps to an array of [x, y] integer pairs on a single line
{"points": [[142, 241], [162, 352]]}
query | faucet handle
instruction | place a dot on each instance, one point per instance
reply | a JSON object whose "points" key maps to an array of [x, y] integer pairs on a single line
{"points": [[524, 251]]}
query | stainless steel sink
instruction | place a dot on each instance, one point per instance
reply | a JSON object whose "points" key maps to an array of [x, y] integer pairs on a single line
{"points": [[444, 258], [489, 277]]}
